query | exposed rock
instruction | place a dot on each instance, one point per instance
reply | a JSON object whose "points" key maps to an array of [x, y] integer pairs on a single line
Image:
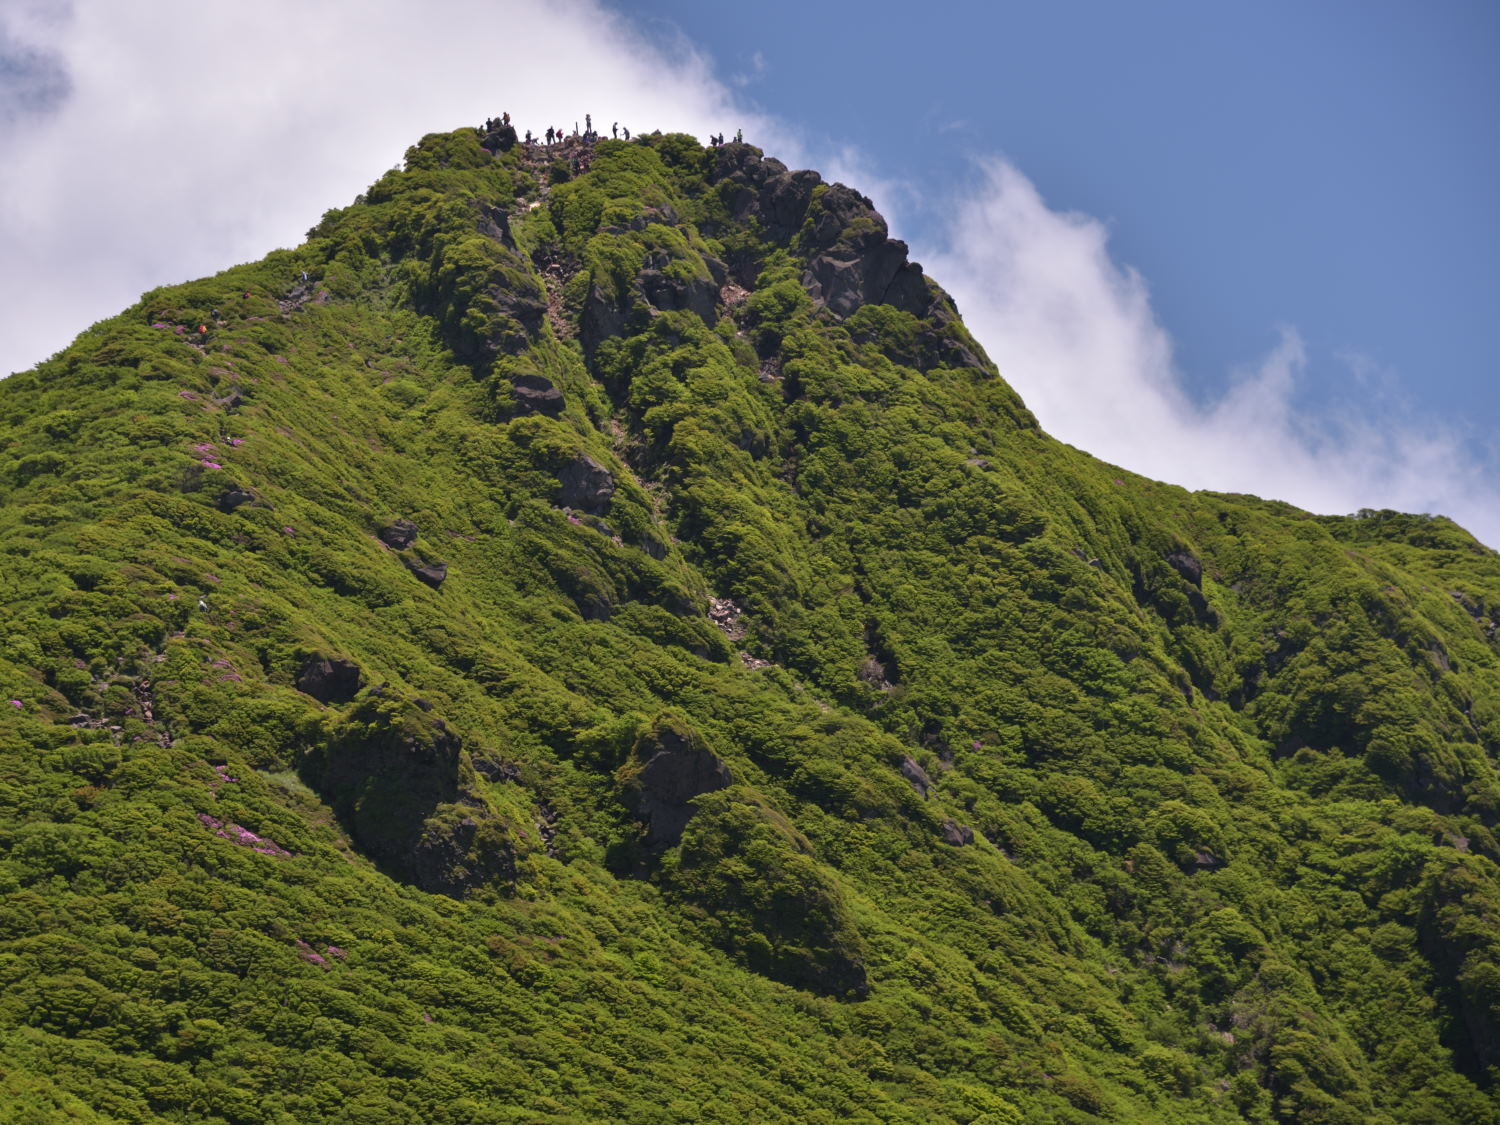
{"points": [[329, 679], [652, 546], [668, 767], [959, 835], [916, 776], [398, 780], [852, 262], [726, 615], [458, 852], [232, 497], [430, 573], [495, 223], [1188, 566], [536, 394], [668, 293], [502, 138], [585, 484], [400, 535]]}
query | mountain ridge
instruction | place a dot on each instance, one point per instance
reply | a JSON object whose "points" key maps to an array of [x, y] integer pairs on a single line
{"points": [[576, 552]]}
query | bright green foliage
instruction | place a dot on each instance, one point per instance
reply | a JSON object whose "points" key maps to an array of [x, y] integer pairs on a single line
{"points": [[1049, 793]]}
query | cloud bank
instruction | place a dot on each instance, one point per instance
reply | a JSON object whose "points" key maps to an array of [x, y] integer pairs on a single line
{"points": [[151, 143], [1075, 334]]}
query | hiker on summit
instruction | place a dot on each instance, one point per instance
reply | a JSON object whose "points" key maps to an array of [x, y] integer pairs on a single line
{"points": [[614, 130], [505, 118], [549, 134], [588, 123], [627, 132], [528, 137], [739, 136]]}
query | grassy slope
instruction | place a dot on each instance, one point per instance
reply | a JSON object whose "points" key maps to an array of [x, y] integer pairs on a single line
{"points": [[1233, 854]]}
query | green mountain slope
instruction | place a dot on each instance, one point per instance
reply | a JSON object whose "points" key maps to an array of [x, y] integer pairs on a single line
{"points": [[589, 637]]}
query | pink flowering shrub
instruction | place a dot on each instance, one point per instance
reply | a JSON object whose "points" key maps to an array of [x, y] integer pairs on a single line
{"points": [[235, 834]]}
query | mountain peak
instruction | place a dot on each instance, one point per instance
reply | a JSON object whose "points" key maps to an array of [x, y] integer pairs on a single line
{"points": [[589, 635]]}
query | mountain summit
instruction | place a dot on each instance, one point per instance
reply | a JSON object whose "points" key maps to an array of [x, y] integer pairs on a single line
{"points": [[589, 636]]}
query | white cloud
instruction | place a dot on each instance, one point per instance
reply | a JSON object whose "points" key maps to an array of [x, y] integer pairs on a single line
{"points": [[198, 135], [1076, 335]]}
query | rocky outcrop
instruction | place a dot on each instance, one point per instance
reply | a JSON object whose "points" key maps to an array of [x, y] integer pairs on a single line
{"points": [[669, 293], [401, 785], [329, 679], [668, 767], [1188, 566], [399, 535], [501, 138], [851, 261], [536, 394], [763, 192], [585, 484], [916, 776], [232, 497], [432, 574], [958, 835]]}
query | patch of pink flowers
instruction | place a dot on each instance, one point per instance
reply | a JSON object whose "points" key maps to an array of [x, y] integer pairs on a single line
{"points": [[335, 951], [207, 464], [311, 955], [204, 447], [236, 441], [243, 836], [16, 703], [288, 531]]}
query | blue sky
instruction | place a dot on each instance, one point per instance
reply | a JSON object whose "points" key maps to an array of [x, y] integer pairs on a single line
{"points": [[1331, 166], [1246, 247]]}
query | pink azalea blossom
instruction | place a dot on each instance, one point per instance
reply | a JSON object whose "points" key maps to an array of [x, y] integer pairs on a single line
{"points": [[16, 703], [204, 447], [288, 531], [207, 464], [236, 441]]}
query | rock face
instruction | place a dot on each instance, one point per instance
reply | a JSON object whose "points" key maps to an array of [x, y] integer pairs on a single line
{"points": [[959, 835], [852, 262], [1188, 566], [764, 191], [502, 138], [400, 535], [432, 574], [668, 767], [668, 293], [329, 679], [399, 781], [535, 394], [916, 776], [232, 497], [585, 484]]}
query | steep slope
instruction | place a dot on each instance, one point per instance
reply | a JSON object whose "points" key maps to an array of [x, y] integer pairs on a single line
{"points": [[589, 636]]}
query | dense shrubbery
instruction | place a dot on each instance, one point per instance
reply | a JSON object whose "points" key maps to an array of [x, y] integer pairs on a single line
{"points": [[1049, 793]]}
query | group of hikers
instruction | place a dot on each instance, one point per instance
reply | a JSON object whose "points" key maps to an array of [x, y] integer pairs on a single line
{"points": [[555, 135]]}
